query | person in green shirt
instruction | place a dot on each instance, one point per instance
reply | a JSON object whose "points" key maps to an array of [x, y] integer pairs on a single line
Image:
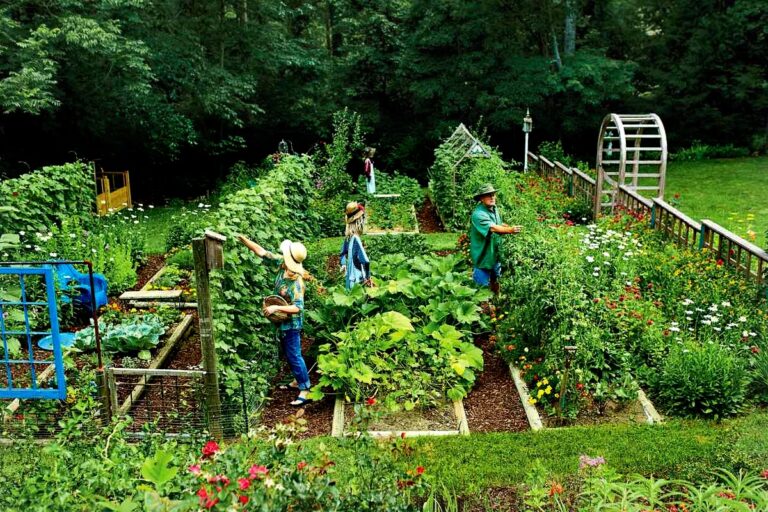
{"points": [[484, 242]]}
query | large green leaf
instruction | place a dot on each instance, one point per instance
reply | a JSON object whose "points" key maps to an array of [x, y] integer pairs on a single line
{"points": [[397, 321], [158, 469]]}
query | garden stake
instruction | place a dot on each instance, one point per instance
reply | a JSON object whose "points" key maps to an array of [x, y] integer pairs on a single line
{"points": [[569, 350]]}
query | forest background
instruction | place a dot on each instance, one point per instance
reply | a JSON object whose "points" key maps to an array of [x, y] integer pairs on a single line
{"points": [[178, 90]]}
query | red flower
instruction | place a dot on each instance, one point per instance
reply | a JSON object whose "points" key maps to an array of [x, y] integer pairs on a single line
{"points": [[755, 350], [257, 471], [210, 449], [764, 474], [720, 262], [243, 483], [579, 386], [402, 435], [210, 503], [370, 401], [242, 499], [301, 465], [650, 322], [202, 494], [420, 470]]}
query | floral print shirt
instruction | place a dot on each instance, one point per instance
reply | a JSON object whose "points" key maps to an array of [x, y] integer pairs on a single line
{"points": [[292, 290]]}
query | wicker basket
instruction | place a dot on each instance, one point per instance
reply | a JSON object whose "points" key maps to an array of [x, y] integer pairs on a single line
{"points": [[275, 300]]}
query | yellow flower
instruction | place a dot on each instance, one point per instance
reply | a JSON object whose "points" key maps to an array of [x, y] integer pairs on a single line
{"points": [[545, 381], [548, 390], [540, 393], [531, 400]]}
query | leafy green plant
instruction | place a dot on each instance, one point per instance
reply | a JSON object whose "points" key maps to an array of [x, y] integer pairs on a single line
{"points": [[702, 380], [410, 245], [136, 334]]}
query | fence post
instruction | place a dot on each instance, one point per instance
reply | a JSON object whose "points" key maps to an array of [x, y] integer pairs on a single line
{"points": [[653, 215], [205, 317], [702, 235]]}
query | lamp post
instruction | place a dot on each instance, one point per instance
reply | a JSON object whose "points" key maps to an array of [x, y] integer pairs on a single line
{"points": [[527, 128]]}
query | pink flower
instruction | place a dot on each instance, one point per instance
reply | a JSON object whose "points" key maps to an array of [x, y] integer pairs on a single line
{"points": [[210, 449], [301, 465], [764, 474], [587, 461], [243, 483], [256, 471], [194, 469]]}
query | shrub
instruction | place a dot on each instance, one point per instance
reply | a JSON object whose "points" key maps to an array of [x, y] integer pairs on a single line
{"points": [[701, 151], [182, 259], [407, 245], [553, 151], [702, 381]]}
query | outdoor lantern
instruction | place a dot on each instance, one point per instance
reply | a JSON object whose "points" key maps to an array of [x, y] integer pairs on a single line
{"points": [[527, 128], [282, 147], [527, 122]]}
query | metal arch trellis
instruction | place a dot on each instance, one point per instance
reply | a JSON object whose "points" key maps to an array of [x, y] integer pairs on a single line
{"points": [[631, 152], [29, 365]]}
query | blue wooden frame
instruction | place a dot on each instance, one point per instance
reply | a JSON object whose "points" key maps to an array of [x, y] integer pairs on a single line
{"points": [[9, 391]]}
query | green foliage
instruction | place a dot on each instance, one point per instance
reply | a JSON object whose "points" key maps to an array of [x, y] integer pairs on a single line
{"points": [[700, 151], [411, 245], [702, 380], [182, 259], [139, 333], [272, 210], [40, 200]]}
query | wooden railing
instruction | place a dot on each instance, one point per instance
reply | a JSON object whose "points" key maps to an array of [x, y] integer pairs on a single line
{"points": [[746, 258], [676, 225]]}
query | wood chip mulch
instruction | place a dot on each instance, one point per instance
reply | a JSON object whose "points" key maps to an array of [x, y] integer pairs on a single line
{"points": [[493, 405], [149, 269], [318, 415], [429, 221]]}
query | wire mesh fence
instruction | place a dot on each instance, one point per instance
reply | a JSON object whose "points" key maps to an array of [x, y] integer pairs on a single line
{"points": [[155, 402]]}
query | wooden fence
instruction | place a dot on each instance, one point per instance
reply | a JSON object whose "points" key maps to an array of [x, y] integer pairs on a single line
{"points": [[746, 258]]}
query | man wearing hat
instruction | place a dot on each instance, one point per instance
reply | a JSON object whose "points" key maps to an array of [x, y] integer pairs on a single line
{"points": [[483, 243], [289, 284], [354, 261]]}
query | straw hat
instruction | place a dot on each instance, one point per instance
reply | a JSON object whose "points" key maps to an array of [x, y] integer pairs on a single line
{"points": [[294, 253], [484, 190], [354, 211]]}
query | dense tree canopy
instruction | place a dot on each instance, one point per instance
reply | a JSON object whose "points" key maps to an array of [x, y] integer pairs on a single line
{"points": [[178, 89]]}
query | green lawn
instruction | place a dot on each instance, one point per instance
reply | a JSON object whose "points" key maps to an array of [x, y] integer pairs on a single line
{"points": [[157, 226], [732, 192]]}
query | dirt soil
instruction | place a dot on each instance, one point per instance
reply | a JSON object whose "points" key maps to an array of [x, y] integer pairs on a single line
{"points": [[493, 405], [318, 415], [432, 418], [429, 221], [149, 269]]}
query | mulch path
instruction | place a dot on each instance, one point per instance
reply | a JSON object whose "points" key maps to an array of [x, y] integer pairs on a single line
{"points": [[429, 221], [493, 405], [318, 415], [149, 269]]}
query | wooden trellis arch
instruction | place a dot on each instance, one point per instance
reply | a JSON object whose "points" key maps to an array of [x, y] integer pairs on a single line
{"points": [[631, 152]]}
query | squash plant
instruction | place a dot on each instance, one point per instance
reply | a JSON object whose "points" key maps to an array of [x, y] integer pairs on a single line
{"points": [[387, 357]]}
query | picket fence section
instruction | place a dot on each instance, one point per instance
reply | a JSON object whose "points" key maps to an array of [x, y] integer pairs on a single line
{"points": [[726, 247]]}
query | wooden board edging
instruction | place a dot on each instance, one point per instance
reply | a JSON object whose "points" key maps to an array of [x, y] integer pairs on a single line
{"points": [[652, 416], [534, 420], [337, 427], [138, 390]]}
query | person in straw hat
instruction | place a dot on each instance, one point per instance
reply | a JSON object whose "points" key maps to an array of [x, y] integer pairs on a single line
{"points": [[355, 264], [484, 243], [289, 284]]}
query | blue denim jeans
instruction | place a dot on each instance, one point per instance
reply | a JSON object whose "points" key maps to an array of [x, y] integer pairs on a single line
{"points": [[292, 347], [484, 276]]}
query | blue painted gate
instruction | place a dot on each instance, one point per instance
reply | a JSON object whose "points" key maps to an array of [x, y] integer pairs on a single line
{"points": [[18, 377]]}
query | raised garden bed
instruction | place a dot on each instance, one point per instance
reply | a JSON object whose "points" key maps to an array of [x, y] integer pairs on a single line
{"points": [[447, 418]]}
